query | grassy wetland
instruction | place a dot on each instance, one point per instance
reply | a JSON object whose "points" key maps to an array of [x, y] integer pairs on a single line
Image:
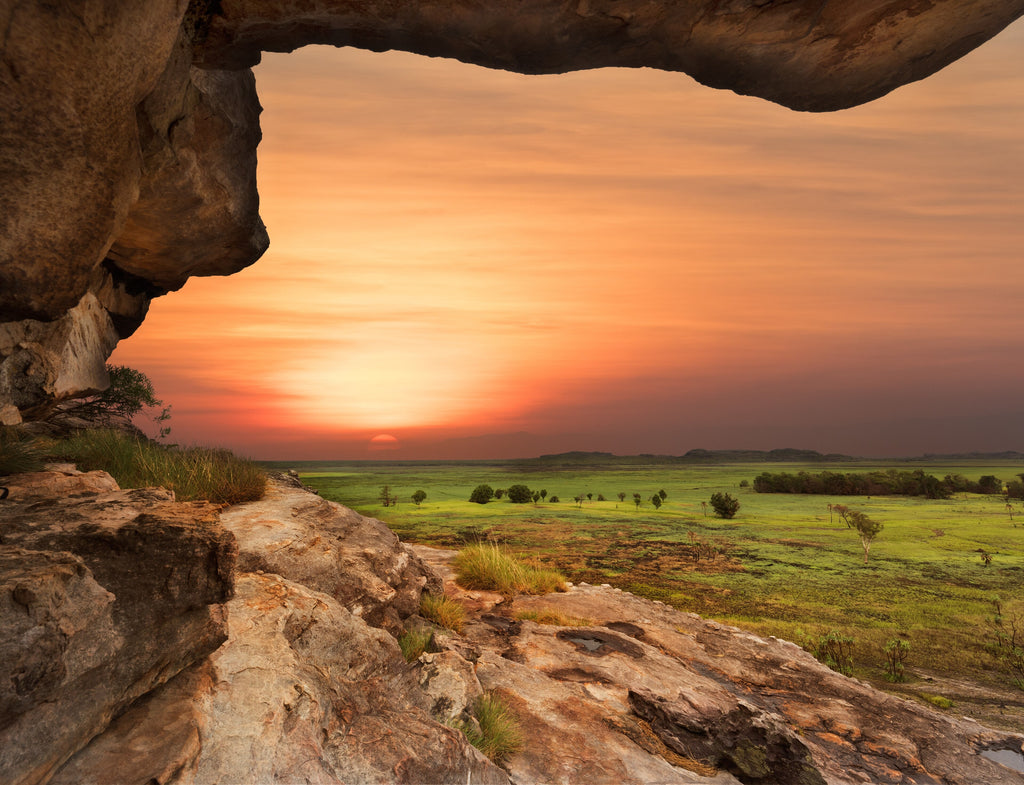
{"points": [[786, 565]]}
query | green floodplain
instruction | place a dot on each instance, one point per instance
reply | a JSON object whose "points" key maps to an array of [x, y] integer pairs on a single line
{"points": [[784, 566]]}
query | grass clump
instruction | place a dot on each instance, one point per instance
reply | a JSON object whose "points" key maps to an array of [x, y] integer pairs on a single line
{"points": [[415, 642], [938, 700], [443, 611], [496, 732], [212, 474], [546, 616], [20, 452], [487, 566]]}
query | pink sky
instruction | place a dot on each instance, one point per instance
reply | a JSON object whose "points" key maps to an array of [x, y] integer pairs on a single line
{"points": [[484, 264]]}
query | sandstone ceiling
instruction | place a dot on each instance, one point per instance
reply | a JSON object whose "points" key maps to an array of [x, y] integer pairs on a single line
{"points": [[128, 131]]}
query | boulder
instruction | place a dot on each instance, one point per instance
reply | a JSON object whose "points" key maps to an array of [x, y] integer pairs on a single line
{"points": [[103, 597], [317, 543]]}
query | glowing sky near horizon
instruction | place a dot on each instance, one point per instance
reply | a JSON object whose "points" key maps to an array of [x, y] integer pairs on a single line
{"points": [[483, 264]]}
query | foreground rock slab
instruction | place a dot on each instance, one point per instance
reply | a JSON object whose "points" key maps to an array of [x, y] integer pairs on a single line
{"points": [[356, 560], [103, 597], [302, 691], [644, 693]]}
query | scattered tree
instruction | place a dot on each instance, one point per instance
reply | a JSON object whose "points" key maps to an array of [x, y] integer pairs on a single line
{"points": [[536, 497], [600, 497], [724, 505], [843, 512], [744, 483], [579, 501], [386, 498], [554, 500], [519, 494], [482, 494], [896, 651], [419, 497], [499, 493], [622, 496], [590, 497], [543, 493], [130, 393], [986, 557], [637, 498], [662, 495], [867, 529], [704, 507], [656, 501]]}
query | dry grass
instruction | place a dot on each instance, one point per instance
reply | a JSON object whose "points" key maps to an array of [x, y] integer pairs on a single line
{"points": [[443, 611], [415, 642], [212, 474], [487, 566], [546, 616], [497, 733]]}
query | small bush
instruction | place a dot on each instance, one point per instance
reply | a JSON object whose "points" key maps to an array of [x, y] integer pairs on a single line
{"points": [[938, 700], [519, 494], [545, 616], [896, 651], [481, 494], [413, 643], [193, 473], [724, 505], [833, 649], [489, 567], [499, 734], [443, 611]]}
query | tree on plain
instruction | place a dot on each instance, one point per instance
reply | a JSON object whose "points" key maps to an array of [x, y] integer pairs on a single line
{"points": [[867, 529], [656, 501], [637, 498], [482, 494], [519, 494], [418, 497], [622, 496], [724, 505], [662, 495]]}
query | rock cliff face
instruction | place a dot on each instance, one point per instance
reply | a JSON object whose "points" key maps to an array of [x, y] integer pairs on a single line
{"points": [[143, 645], [129, 133]]}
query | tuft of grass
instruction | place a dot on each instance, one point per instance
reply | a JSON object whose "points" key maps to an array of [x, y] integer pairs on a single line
{"points": [[213, 474], [415, 642], [487, 566], [443, 611], [937, 700], [546, 616], [19, 452], [497, 732]]}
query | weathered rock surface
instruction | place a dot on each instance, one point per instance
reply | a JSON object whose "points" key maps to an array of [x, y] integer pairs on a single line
{"points": [[648, 694], [317, 543], [302, 691], [127, 147], [103, 596]]}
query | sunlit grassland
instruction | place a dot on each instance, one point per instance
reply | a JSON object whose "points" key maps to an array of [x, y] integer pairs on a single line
{"points": [[784, 567]]}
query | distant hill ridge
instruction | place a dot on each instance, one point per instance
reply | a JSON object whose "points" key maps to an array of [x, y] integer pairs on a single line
{"points": [[783, 455]]}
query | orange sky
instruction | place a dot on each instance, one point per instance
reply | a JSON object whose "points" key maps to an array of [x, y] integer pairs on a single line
{"points": [[483, 264]]}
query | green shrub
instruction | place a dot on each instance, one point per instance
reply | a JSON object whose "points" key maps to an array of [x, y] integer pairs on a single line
{"points": [[486, 566], [896, 651], [19, 452], [443, 611], [724, 505], [832, 649], [497, 733], [519, 494], [482, 494], [415, 642], [193, 473], [938, 700]]}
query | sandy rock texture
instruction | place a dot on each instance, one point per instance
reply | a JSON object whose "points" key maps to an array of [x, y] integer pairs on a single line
{"points": [[104, 595], [314, 542], [129, 133], [644, 693]]}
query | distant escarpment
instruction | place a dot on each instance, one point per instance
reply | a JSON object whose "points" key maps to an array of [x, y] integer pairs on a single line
{"points": [[129, 132], [151, 641]]}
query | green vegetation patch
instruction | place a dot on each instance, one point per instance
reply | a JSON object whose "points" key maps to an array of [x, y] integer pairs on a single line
{"points": [[495, 729], [443, 611], [785, 563], [488, 566]]}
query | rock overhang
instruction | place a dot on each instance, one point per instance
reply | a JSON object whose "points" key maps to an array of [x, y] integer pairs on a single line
{"points": [[128, 151]]}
